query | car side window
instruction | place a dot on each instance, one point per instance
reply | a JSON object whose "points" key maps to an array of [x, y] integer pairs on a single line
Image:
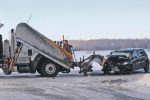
{"points": [[141, 52], [135, 55]]}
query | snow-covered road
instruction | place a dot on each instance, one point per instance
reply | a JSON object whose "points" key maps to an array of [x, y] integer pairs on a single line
{"points": [[74, 86]]}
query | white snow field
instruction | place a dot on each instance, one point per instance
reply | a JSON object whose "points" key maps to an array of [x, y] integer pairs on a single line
{"points": [[75, 86]]}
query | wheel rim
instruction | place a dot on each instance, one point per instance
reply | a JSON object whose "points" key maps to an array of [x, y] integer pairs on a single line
{"points": [[50, 68]]}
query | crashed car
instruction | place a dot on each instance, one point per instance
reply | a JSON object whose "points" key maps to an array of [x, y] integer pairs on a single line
{"points": [[126, 61]]}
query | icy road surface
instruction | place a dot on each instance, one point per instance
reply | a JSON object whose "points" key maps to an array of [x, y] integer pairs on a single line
{"points": [[74, 86]]}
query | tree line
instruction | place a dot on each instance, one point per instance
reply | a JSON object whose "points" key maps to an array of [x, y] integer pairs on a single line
{"points": [[110, 44]]}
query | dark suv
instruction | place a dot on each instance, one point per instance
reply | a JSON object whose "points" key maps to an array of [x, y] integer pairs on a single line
{"points": [[126, 61]]}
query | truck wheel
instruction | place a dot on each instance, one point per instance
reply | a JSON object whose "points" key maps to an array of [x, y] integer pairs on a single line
{"points": [[39, 70], [146, 68], [49, 69], [5, 69]]}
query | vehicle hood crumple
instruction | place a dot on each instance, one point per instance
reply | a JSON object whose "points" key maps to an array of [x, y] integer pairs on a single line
{"points": [[117, 58]]}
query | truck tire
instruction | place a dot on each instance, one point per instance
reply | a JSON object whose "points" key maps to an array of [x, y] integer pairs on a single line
{"points": [[49, 69], [146, 68], [39, 70], [5, 70]]}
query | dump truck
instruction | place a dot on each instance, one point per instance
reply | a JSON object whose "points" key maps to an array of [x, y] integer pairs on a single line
{"points": [[42, 54], [29, 51]]}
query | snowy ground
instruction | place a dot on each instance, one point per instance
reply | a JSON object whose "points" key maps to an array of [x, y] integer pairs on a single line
{"points": [[74, 86]]}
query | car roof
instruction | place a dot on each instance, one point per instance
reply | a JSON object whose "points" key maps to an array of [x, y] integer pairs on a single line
{"points": [[129, 49]]}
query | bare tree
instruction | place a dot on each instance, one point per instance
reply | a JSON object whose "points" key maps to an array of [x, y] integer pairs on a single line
{"points": [[110, 44]]}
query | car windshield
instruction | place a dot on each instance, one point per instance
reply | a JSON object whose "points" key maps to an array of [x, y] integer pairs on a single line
{"points": [[121, 53]]}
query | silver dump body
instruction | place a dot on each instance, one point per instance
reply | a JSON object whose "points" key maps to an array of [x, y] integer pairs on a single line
{"points": [[38, 42]]}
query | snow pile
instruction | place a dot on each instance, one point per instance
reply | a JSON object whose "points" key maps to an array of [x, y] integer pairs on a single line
{"points": [[96, 66]]}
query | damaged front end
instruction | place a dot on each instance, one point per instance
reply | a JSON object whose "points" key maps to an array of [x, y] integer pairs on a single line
{"points": [[117, 64]]}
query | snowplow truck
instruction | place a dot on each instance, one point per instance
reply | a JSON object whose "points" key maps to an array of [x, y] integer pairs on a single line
{"points": [[28, 51]]}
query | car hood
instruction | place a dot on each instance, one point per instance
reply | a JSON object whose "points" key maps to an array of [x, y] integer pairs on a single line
{"points": [[117, 58]]}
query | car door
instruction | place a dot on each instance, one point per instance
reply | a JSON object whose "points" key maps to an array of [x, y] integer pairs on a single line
{"points": [[135, 60], [141, 58]]}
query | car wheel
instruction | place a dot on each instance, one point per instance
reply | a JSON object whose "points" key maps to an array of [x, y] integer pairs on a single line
{"points": [[49, 69], [146, 68]]}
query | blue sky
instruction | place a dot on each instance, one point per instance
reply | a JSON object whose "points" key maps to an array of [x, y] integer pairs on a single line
{"points": [[79, 19]]}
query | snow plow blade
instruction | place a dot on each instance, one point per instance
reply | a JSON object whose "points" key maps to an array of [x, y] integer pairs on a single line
{"points": [[46, 47]]}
